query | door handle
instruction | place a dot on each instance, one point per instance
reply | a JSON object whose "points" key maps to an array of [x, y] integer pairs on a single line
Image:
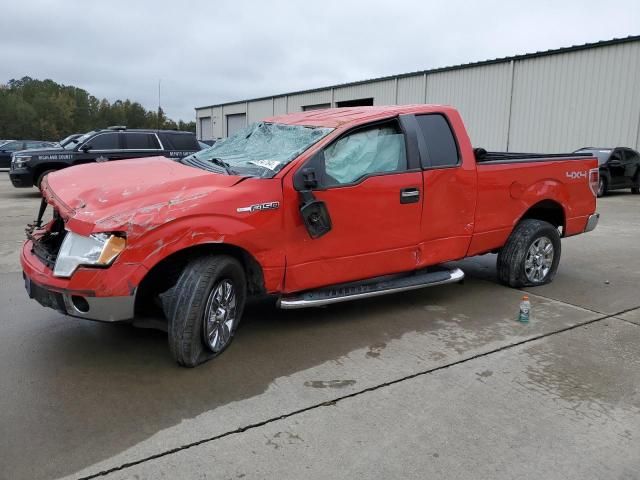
{"points": [[409, 195]]}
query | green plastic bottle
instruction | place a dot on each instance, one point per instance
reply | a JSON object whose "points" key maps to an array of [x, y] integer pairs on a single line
{"points": [[525, 308]]}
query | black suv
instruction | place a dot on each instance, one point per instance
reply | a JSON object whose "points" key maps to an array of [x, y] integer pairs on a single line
{"points": [[28, 168], [619, 168], [9, 147]]}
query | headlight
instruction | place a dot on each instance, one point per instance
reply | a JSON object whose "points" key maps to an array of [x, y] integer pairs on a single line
{"points": [[18, 162], [99, 249]]}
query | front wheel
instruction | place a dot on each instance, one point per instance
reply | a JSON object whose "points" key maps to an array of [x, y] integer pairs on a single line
{"points": [[531, 255], [204, 308], [602, 187], [41, 177]]}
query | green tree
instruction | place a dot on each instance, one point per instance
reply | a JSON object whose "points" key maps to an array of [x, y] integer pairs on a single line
{"points": [[44, 109]]}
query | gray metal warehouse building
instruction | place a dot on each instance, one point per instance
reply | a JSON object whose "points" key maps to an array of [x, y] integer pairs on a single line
{"points": [[551, 101]]}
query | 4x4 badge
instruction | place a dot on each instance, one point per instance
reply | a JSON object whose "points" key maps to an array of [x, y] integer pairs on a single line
{"points": [[259, 206]]}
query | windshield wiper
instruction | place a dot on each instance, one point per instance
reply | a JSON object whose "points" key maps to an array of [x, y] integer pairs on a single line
{"points": [[223, 164]]}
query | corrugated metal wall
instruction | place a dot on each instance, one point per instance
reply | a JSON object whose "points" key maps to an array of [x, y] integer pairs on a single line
{"points": [[551, 103], [571, 100], [383, 93], [481, 95]]}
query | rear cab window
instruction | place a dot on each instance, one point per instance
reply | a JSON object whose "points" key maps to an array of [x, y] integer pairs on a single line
{"points": [[439, 147]]}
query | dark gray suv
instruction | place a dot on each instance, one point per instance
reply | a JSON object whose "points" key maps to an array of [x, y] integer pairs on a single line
{"points": [[28, 168], [619, 168]]}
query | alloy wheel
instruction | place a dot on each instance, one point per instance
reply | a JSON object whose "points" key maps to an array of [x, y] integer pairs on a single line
{"points": [[220, 316], [539, 260]]}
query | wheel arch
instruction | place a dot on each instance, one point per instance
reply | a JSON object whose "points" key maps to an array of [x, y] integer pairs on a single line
{"points": [[43, 167], [164, 274], [547, 210]]}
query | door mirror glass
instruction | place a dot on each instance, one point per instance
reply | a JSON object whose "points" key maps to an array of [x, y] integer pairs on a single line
{"points": [[316, 217]]}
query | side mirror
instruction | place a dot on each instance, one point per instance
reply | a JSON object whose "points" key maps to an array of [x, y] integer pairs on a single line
{"points": [[314, 212], [85, 148], [309, 176]]}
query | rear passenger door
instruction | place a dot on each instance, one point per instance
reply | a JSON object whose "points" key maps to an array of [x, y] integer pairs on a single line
{"points": [[449, 198], [631, 165], [616, 167], [179, 144]]}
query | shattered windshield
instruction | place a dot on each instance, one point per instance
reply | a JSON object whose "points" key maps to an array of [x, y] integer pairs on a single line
{"points": [[261, 149]]}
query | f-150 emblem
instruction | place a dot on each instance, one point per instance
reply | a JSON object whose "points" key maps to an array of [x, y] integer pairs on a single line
{"points": [[259, 206]]}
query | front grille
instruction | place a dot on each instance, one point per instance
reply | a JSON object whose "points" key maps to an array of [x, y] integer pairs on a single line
{"points": [[47, 246]]}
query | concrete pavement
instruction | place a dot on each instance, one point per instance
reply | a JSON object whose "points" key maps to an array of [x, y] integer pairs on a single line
{"points": [[389, 387]]}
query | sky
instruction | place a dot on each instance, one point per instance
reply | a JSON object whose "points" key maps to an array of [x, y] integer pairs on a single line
{"points": [[207, 52]]}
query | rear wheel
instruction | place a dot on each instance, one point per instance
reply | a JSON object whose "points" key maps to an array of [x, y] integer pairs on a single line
{"points": [[204, 308], [531, 255]]}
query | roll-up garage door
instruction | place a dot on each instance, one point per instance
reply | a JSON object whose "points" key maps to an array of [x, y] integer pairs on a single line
{"points": [[236, 122], [205, 129]]}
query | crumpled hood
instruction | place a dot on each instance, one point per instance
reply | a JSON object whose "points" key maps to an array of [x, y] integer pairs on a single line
{"points": [[124, 194]]}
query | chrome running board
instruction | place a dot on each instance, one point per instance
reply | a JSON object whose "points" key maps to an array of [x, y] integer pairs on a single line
{"points": [[372, 287]]}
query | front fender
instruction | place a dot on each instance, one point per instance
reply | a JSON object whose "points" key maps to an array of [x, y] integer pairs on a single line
{"points": [[257, 235]]}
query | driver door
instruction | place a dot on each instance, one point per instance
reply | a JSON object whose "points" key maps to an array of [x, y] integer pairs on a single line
{"points": [[373, 195]]}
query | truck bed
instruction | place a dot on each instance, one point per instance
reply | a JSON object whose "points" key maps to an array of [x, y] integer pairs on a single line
{"points": [[508, 183]]}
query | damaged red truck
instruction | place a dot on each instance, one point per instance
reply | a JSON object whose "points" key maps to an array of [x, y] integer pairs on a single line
{"points": [[314, 207]]}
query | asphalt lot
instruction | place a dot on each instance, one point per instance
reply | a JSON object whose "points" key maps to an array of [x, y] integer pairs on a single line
{"points": [[438, 383]]}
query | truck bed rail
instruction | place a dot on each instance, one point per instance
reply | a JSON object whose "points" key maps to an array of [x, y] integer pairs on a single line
{"points": [[483, 156]]}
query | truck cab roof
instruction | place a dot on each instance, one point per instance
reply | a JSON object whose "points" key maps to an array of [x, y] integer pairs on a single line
{"points": [[346, 116]]}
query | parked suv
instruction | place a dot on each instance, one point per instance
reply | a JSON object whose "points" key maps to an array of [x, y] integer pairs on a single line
{"points": [[28, 168], [619, 168], [10, 146]]}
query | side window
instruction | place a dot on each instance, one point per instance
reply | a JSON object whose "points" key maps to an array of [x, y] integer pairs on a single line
{"points": [[104, 141], [633, 156], [35, 145], [180, 141], [141, 141], [439, 139], [373, 150], [616, 155]]}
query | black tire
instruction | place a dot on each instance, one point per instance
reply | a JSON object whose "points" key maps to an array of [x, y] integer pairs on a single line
{"points": [[635, 189], [603, 187], [41, 177], [512, 257], [186, 303]]}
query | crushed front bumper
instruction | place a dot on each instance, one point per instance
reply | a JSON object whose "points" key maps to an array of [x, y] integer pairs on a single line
{"points": [[21, 178], [105, 295], [104, 309]]}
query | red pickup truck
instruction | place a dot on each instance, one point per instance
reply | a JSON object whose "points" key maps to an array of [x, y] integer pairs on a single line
{"points": [[314, 207]]}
